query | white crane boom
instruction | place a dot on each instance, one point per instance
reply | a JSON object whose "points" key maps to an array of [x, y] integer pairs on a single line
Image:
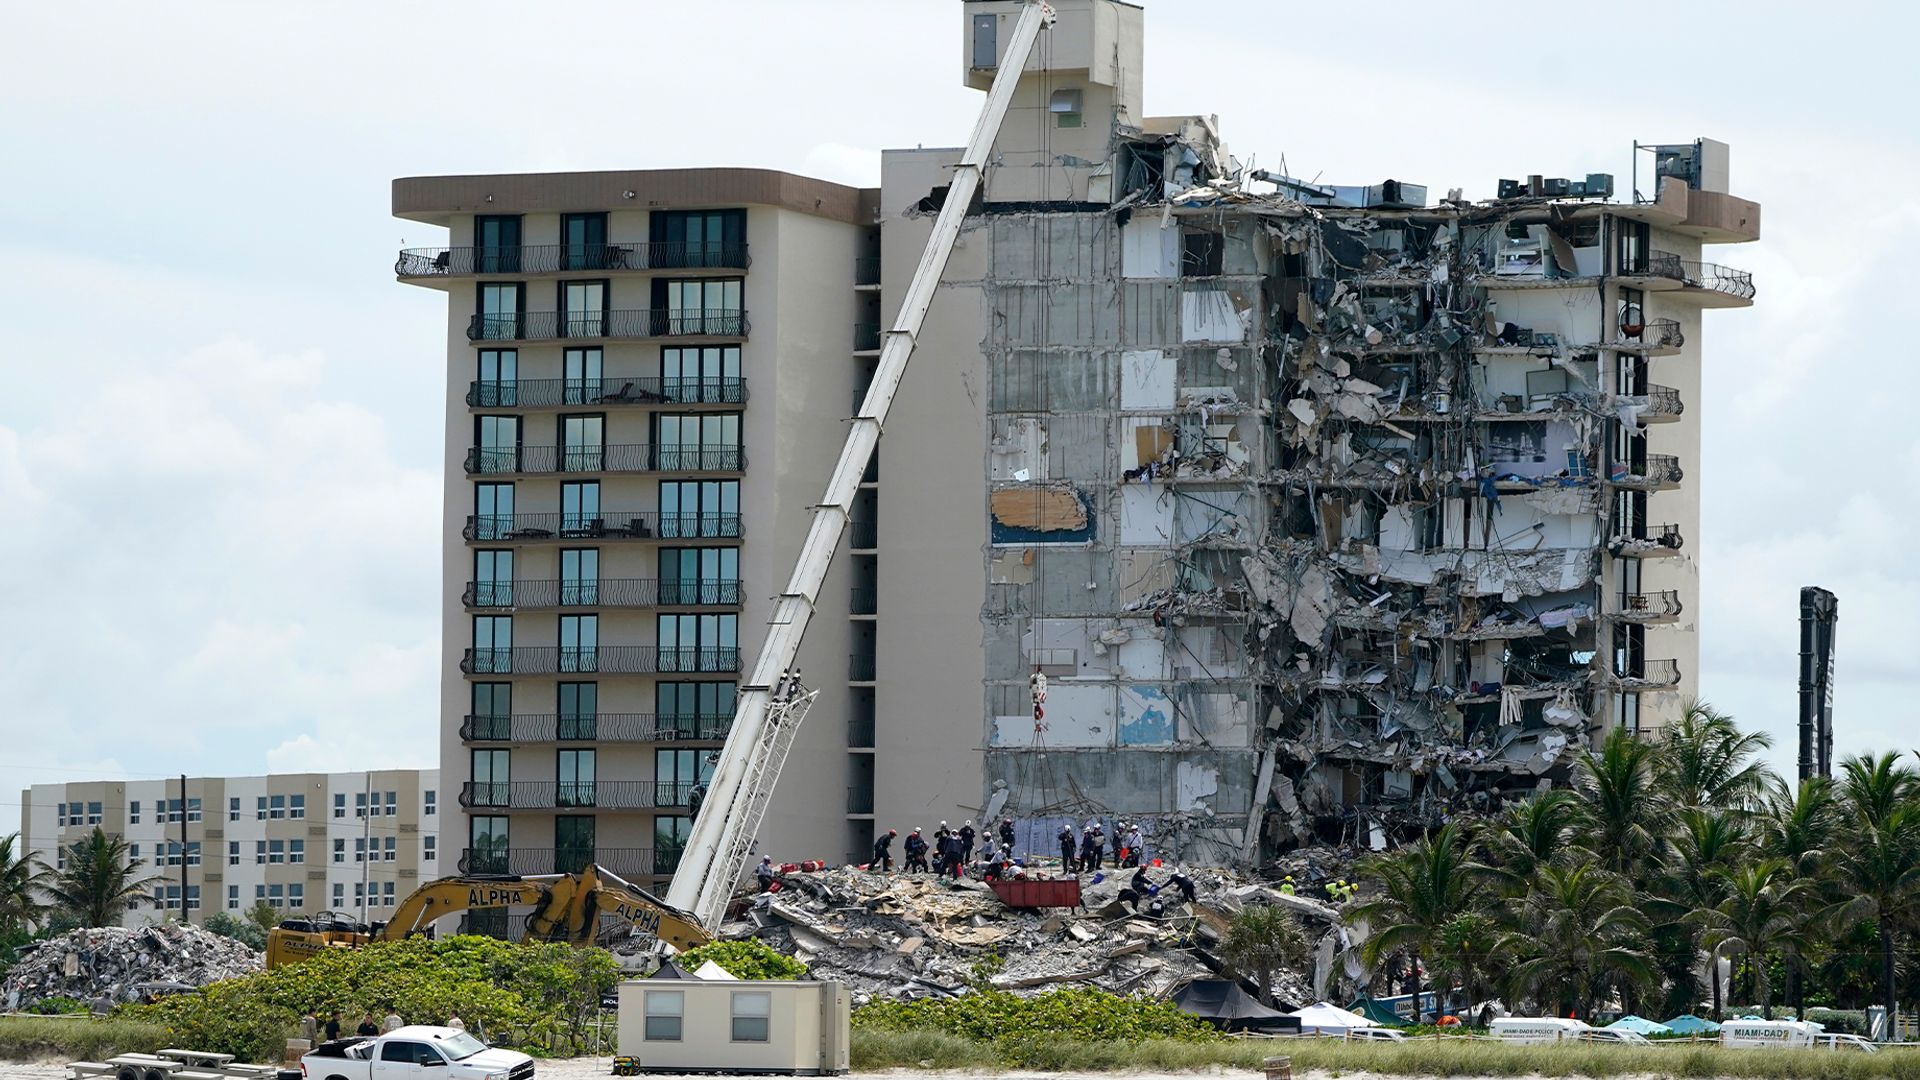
{"points": [[723, 833]]}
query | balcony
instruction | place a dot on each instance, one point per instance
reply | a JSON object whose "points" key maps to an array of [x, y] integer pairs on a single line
{"points": [[1658, 472], [1663, 405], [1655, 337], [866, 271], [863, 535], [635, 324], [604, 660], [860, 732], [1647, 675], [864, 602], [628, 457], [614, 390], [603, 525], [601, 593], [1708, 284], [866, 337], [859, 800], [1648, 607], [1645, 542], [568, 258], [860, 667], [573, 794], [626, 862], [600, 728]]}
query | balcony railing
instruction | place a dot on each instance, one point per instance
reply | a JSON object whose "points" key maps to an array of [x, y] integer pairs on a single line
{"points": [[1657, 471], [863, 534], [626, 862], [864, 602], [597, 727], [1658, 537], [1652, 334], [1696, 275], [860, 732], [603, 592], [866, 270], [1648, 606], [604, 659], [1663, 402], [859, 800], [1649, 673], [604, 524], [573, 794], [612, 390], [559, 258], [860, 667], [634, 323], [866, 337], [625, 457]]}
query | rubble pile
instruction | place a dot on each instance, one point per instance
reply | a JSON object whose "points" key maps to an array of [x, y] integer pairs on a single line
{"points": [[114, 964], [897, 936]]}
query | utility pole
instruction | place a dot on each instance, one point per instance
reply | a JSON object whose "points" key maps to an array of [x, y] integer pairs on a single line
{"points": [[183, 849], [1819, 615], [366, 845]]}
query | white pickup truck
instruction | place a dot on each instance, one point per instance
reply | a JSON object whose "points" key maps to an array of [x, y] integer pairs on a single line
{"points": [[415, 1053]]}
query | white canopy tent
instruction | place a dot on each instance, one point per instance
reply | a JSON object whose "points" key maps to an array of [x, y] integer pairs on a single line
{"points": [[1326, 1018]]}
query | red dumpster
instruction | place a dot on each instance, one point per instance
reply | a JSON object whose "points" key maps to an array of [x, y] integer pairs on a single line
{"points": [[1038, 893]]}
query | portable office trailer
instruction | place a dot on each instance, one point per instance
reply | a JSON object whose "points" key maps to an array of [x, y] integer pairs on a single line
{"points": [[689, 1025]]}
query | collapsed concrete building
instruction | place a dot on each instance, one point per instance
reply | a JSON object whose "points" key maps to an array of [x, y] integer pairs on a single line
{"points": [[1318, 512]]}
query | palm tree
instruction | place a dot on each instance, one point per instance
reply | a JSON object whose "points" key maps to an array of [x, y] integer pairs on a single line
{"points": [[99, 881], [1424, 886], [1706, 761], [23, 878], [1706, 846], [1469, 949], [1759, 913], [1627, 813], [1263, 938], [1878, 867], [1796, 827], [1578, 932], [1529, 835]]}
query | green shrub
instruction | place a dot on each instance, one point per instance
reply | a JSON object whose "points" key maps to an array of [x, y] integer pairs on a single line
{"points": [[750, 959], [33, 1038], [1081, 1013], [59, 1006]]}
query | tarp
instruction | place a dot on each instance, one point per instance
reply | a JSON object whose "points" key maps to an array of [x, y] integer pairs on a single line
{"points": [[1690, 1024], [1223, 1004], [670, 970], [1329, 1019], [714, 972], [1379, 1014], [1639, 1025]]}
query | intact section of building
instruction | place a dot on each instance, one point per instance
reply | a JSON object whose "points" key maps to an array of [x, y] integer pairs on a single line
{"points": [[1315, 512], [648, 375], [354, 843]]}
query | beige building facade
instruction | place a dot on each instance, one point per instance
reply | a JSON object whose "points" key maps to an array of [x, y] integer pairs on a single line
{"points": [[354, 843]]}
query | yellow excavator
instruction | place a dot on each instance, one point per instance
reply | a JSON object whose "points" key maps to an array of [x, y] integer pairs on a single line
{"points": [[566, 907]]}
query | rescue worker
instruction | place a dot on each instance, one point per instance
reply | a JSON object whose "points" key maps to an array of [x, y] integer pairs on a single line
{"points": [[1140, 883], [1006, 835], [764, 873], [1136, 845], [883, 851], [939, 849], [1286, 887], [1067, 848], [1093, 844], [1185, 885], [916, 851], [966, 841]]}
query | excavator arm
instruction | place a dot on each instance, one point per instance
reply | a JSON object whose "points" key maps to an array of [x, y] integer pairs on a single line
{"points": [[573, 909]]}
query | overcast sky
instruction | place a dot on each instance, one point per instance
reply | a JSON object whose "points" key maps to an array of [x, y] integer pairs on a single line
{"points": [[220, 415]]}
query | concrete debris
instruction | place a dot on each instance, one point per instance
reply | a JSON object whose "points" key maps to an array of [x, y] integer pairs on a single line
{"points": [[896, 936], [111, 965]]}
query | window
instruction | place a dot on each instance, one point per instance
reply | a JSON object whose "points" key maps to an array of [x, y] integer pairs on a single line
{"points": [[670, 834], [278, 808], [133, 812], [693, 442], [173, 811], [133, 854], [492, 511], [583, 239], [663, 1012], [359, 849], [487, 845], [398, 1051], [580, 508], [339, 849], [698, 642], [572, 843], [1630, 314], [497, 444], [260, 809], [193, 898], [492, 579], [710, 306], [94, 813], [583, 443], [693, 710], [389, 852], [752, 1015], [277, 895], [698, 237], [167, 898], [581, 370], [500, 315], [60, 858], [296, 851], [296, 896], [233, 808], [579, 643], [259, 893], [489, 717], [340, 805], [193, 810], [339, 895], [61, 812], [276, 851], [167, 853], [233, 853], [492, 644], [297, 806], [579, 576], [579, 710], [1635, 244], [393, 804], [427, 852], [583, 308], [498, 382], [359, 804], [699, 508], [676, 771], [386, 893], [1064, 104], [699, 575], [702, 375], [233, 898], [489, 771], [360, 894], [431, 799], [496, 243], [260, 852], [576, 778], [193, 853]]}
